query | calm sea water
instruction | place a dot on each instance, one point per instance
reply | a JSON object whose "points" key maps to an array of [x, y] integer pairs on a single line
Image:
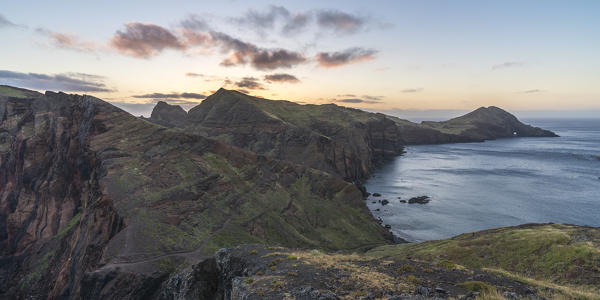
{"points": [[476, 186]]}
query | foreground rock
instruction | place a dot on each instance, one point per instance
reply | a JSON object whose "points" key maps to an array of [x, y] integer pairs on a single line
{"points": [[563, 259], [446, 269], [266, 272], [419, 200]]}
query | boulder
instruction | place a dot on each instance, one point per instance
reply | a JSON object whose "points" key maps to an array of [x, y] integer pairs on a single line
{"points": [[419, 200]]}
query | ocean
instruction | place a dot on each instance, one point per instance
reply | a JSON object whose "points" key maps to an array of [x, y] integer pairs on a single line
{"points": [[477, 186]]}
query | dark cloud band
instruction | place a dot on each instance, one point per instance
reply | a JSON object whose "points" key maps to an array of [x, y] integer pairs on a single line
{"points": [[72, 82]]}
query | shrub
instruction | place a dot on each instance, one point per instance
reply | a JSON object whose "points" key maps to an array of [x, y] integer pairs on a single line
{"points": [[476, 286]]}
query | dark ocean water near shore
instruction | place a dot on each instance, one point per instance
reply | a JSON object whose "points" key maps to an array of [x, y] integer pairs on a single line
{"points": [[476, 186]]}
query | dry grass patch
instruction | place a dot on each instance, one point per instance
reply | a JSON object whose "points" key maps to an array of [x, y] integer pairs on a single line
{"points": [[561, 291], [362, 277]]}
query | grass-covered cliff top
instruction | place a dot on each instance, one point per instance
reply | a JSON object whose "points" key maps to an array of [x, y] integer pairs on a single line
{"points": [[10, 91], [302, 115], [565, 258]]}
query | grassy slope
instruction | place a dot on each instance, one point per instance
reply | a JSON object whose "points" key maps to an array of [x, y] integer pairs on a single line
{"points": [[564, 257], [183, 191], [305, 115], [16, 92]]}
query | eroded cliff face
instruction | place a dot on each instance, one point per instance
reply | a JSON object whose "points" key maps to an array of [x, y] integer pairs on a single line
{"points": [[54, 219], [340, 145], [93, 195], [343, 141]]}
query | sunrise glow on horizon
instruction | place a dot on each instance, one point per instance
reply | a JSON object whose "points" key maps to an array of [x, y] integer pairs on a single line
{"points": [[375, 55]]}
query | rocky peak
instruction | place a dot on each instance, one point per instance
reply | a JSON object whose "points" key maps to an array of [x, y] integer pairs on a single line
{"points": [[489, 123], [168, 115]]}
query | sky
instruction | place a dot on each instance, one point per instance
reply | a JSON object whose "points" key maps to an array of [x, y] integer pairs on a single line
{"points": [[403, 57]]}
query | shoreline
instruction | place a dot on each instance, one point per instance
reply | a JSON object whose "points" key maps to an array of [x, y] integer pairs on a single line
{"points": [[400, 237]]}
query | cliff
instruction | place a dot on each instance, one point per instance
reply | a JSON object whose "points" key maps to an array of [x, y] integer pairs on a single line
{"points": [[343, 141], [86, 187]]}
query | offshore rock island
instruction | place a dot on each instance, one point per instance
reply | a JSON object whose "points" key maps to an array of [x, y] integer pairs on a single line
{"points": [[246, 198]]}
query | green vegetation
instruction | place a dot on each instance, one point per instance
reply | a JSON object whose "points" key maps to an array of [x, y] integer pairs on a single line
{"points": [[406, 269], [70, 225], [476, 286], [446, 264], [564, 255], [11, 92]]}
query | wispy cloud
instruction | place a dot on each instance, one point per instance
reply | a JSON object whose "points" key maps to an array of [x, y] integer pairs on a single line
{"points": [[72, 82], [281, 77], [68, 41], [339, 22], [261, 20], [145, 40], [531, 91], [192, 74], [184, 95], [4, 22], [412, 90], [296, 23], [508, 64], [292, 23], [373, 98], [194, 22], [348, 56]]}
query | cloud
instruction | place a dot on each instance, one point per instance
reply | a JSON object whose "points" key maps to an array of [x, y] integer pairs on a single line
{"points": [[347, 95], [249, 83], [4, 22], [67, 41], [339, 22], [242, 53], [355, 101], [508, 64], [412, 90], [372, 98], [145, 40], [274, 59], [348, 56], [281, 77], [171, 96], [192, 74], [261, 20], [194, 22], [296, 23], [72, 82], [531, 91]]}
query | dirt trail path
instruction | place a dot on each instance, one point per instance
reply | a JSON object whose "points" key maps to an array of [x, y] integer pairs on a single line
{"points": [[193, 255]]}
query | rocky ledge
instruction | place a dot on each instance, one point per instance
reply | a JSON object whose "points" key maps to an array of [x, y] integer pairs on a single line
{"points": [[265, 272]]}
